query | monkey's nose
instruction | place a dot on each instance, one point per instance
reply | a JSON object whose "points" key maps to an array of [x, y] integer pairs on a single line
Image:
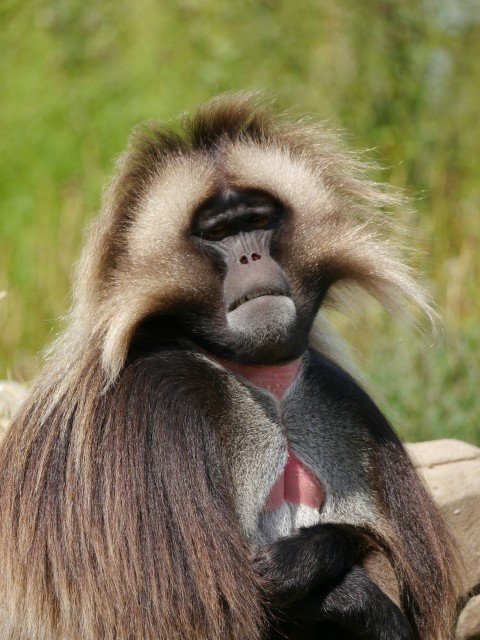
{"points": [[254, 256]]}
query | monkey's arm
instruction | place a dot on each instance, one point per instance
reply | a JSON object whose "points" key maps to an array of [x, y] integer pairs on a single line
{"points": [[351, 606], [313, 581], [295, 565], [331, 424]]}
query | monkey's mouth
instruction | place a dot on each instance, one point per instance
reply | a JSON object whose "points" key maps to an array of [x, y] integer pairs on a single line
{"points": [[255, 294]]}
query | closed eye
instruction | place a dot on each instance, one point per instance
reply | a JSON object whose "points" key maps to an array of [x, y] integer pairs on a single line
{"points": [[217, 232], [259, 221]]}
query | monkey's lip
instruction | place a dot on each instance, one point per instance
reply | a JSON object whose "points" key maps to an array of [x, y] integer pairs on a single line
{"points": [[255, 294]]}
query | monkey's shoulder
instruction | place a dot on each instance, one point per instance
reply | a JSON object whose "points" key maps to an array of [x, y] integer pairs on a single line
{"points": [[325, 394], [321, 372]]}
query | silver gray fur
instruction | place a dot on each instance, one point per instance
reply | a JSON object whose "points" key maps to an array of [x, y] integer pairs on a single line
{"points": [[323, 436]]}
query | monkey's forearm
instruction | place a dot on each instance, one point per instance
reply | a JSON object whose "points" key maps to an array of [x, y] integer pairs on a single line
{"points": [[313, 578], [358, 605], [295, 565]]}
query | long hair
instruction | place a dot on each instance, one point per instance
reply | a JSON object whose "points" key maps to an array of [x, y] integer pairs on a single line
{"points": [[117, 515]]}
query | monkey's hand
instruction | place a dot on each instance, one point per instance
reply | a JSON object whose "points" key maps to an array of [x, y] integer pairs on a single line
{"points": [[293, 566], [357, 605]]}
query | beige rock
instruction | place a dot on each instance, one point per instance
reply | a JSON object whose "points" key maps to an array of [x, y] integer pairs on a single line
{"points": [[451, 469], [437, 452], [468, 627]]}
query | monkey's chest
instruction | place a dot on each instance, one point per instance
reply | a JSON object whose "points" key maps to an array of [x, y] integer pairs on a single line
{"points": [[294, 497], [296, 485], [295, 501]]}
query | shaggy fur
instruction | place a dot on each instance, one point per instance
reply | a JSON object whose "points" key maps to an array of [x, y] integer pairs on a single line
{"points": [[118, 517]]}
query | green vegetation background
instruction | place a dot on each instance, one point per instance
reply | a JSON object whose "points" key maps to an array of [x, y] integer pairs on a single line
{"points": [[403, 78]]}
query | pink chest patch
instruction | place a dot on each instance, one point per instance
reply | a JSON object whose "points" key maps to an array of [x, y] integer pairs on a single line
{"points": [[276, 380], [296, 484]]}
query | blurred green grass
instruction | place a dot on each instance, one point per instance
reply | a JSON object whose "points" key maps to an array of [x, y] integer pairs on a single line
{"points": [[402, 78]]}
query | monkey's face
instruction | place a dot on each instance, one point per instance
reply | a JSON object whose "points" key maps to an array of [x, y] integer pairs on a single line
{"points": [[260, 317], [189, 244]]}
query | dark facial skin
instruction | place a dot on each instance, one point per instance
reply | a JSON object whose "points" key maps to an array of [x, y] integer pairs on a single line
{"points": [[258, 320]]}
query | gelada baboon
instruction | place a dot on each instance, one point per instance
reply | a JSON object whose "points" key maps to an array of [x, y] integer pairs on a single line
{"points": [[189, 465]]}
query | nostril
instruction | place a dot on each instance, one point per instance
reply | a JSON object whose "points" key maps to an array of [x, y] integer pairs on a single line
{"points": [[256, 256], [244, 260]]}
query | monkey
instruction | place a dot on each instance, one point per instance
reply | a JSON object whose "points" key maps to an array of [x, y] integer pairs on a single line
{"points": [[195, 461]]}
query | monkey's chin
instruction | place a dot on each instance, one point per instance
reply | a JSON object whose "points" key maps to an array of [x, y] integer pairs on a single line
{"points": [[264, 320]]}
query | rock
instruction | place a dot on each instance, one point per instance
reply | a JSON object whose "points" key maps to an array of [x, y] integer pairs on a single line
{"points": [[468, 626], [451, 469], [437, 452]]}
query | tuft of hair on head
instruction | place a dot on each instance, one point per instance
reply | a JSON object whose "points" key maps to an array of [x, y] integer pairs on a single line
{"points": [[231, 116]]}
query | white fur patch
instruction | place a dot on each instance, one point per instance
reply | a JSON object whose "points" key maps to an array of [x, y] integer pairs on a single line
{"points": [[285, 520], [277, 172], [165, 214]]}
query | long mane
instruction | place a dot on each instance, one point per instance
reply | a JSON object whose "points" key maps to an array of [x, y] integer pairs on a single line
{"points": [[117, 517]]}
